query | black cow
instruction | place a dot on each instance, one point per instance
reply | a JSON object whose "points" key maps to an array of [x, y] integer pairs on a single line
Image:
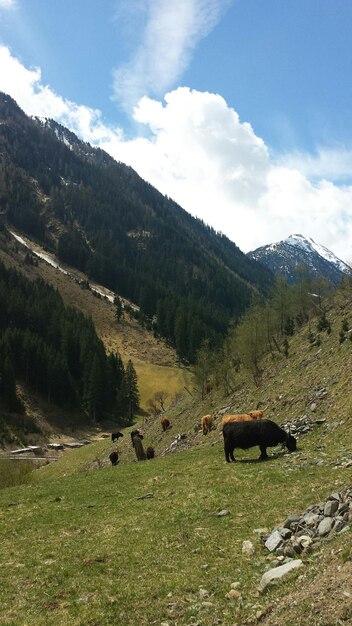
{"points": [[114, 458], [150, 452], [262, 433], [115, 436]]}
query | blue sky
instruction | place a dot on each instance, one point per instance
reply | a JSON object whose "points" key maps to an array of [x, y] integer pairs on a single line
{"points": [[240, 110]]}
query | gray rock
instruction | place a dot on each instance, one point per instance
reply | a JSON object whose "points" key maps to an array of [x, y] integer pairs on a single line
{"points": [[325, 526], [311, 519], [273, 541], [276, 574], [343, 508], [297, 548], [334, 496], [331, 507], [305, 541], [340, 524], [285, 533], [222, 513], [292, 521]]}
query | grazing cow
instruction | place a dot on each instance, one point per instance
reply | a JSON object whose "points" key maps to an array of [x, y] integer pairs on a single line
{"points": [[115, 436], [150, 453], [206, 424], [136, 438], [165, 424], [114, 458], [262, 433], [239, 417]]}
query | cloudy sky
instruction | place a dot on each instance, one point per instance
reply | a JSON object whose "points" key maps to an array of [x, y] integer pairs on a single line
{"points": [[240, 110]]}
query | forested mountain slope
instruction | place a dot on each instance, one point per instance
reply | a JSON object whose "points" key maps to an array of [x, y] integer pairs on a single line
{"points": [[102, 218], [33, 411]]}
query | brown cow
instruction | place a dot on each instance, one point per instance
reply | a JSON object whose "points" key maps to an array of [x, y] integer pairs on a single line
{"points": [[165, 424], [240, 417], [206, 424]]}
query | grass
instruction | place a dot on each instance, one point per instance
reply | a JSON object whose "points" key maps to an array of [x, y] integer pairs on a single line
{"points": [[14, 472], [85, 550]]}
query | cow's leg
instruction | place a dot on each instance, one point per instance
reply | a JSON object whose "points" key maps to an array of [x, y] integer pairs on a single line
{"points": [[263, 454], [229, 452]]}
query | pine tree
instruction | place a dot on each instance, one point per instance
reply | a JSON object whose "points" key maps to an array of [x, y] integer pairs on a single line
{"points": [[118, 308], [203, 367], [130, 391]]}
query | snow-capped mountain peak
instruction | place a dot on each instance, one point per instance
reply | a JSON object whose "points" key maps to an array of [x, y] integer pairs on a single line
{"points": [[287, 256]]}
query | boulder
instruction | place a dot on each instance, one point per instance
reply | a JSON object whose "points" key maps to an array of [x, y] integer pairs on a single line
{"points": [[276, 574]]}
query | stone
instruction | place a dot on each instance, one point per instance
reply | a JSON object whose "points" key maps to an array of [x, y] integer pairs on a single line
{"points": [[292, 521], [273, 541], [285, 533], [334, 496], [277, 574], [233, 594], [248, 548], [311, 519], [235, 585], [297, 547], [305, 541], [222, 513], [343, 508], [331, 507], [325, 526], [339, 526]]}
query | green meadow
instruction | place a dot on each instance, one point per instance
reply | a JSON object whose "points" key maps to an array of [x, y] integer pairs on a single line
{"points": [[142, 543]]}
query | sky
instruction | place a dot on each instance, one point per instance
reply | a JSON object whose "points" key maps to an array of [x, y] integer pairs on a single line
{"points": [[239, 110]]}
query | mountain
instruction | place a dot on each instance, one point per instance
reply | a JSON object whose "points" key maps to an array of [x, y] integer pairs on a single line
{"points": [[99, 216], [289, 256]]}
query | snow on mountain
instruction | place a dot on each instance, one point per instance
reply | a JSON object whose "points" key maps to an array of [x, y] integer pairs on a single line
{"points": [[287, 256]]}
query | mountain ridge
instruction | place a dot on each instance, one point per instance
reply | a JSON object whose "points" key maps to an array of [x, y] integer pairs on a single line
{"points": [[289, 256], [99, 216]]}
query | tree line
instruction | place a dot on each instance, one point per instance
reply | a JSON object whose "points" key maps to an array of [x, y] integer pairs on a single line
{"points": [[267, 327], [55, 350]]}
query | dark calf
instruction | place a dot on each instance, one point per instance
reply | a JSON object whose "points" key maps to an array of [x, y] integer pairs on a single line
{"points": [[150, 452], [115, 436], [262, 433], [114, 458]]}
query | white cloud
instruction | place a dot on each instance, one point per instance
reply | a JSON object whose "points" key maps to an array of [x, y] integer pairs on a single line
{"points": [[215, 166], [7, 4], [172, 31], [333, 163], [35, 98]]}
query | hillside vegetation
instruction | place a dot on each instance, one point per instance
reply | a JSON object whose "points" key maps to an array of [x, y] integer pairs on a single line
{"points": [[100, 217], [160, 542]]}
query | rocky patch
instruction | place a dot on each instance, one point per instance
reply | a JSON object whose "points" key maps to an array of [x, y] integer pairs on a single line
{"points": [[301, 533]]}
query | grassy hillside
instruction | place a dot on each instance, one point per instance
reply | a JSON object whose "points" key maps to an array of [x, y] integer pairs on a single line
{"points": [[85, 547]]}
